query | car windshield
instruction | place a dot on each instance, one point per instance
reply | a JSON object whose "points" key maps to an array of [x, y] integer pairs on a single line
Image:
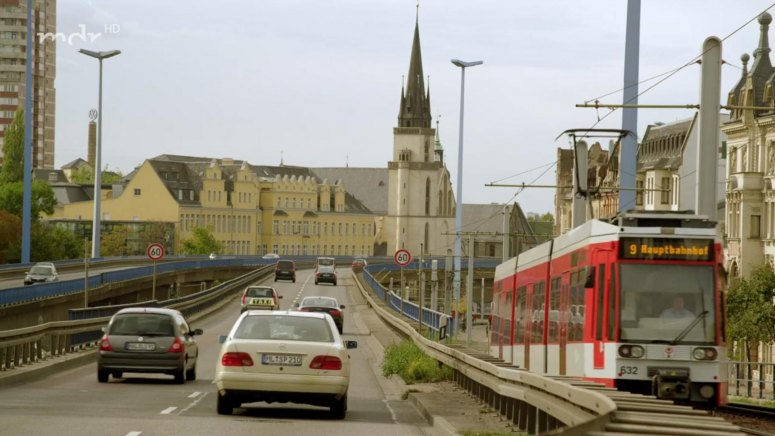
{"points": [[284, 328], [659, 302], [259, 292], [325, 261], [318, 302], [142, 324], [42, 270]]}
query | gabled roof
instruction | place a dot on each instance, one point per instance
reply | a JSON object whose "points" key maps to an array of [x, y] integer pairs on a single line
{"points": [[367, 185], [669, 156], [75, 164], [49, 175]]}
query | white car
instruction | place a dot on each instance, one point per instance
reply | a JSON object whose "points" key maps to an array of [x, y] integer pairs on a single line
{"points": [[295, 357], [271, 256]]}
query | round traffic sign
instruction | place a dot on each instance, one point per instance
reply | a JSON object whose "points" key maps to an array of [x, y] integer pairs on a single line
{"points": [[402, 257], [155, 251]]}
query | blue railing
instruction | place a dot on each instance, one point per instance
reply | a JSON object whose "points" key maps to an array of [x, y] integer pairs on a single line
{"points": [[55, 289]]}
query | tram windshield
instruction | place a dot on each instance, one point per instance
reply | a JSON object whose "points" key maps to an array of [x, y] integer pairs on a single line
{"points": [[659, 303]]}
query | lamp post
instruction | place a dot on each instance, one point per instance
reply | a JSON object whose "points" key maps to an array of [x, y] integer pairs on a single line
{"points": [[459, 194], [95, 249]]}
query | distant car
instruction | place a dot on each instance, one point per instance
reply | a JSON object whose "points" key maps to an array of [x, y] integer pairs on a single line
{"points": [[260, 297], [41, 272], [325, 261], [271, 256], [325, 274], [148, 340], [285, 270], [359, 264], [213, 255], [327, 305], [283, 357]]}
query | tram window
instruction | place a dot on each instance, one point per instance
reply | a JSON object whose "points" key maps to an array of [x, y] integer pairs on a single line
{"points": [[612, 305], [590, 280], [599, 309], [539, 294], [554, 306], [519, 315]]}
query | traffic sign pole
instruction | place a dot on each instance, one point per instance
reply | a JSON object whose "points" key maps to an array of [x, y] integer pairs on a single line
{"points": [[153, 287], [155, 252]]}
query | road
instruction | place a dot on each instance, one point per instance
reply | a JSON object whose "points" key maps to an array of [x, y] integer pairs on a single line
{"points": [[73, 402]]}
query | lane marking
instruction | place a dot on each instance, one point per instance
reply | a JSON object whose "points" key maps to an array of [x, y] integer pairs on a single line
{"points": [[194, 395], [193, 403], [392, 412], [168, 410], [134, 433]]}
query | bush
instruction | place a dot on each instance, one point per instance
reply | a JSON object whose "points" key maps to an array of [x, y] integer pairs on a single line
{"points": [[412, 365]]}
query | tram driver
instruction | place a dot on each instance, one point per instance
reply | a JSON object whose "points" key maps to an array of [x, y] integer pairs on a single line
{"points": [[677, 309]]}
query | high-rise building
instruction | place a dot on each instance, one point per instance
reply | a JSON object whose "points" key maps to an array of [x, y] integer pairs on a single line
{"points": [[13, 57]]}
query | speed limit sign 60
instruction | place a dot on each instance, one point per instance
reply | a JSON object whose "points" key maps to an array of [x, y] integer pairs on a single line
{"points": [[155, 251], [402, 257]]}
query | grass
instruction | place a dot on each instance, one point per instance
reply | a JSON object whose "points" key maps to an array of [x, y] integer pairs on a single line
{"points": [[754, 401], [412, 365]]}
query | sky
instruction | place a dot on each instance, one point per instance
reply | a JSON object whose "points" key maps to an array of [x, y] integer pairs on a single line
{"points": [[317, 83]]}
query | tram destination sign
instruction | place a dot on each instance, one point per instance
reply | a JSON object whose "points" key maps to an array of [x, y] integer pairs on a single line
{"points": [[666, 249]]}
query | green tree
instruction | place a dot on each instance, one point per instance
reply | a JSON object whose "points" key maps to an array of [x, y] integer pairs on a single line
{"points": [[157, 232], [12, 194], [10, 240], [114, 243], [85, 175], [201, 242], [750, 312], [13, 150]]}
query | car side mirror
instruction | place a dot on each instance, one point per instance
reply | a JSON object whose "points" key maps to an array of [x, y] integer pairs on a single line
{"points": [[350, 344], [221, 339], [104, 329], [197, 332], [341, 307], [280, 297], [296, 305]]}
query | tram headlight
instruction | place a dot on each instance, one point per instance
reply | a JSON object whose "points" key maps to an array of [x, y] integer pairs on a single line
{"points": [[631, 351], [704, 353], [637, 351], [707, 391]]}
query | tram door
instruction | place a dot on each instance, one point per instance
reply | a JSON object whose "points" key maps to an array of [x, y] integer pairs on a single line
{"points": [[563, 319], [598, 305]]}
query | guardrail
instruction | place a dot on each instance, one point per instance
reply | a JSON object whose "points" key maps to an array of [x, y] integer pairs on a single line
{"points": [[535, 403], [751, 379], [32, 344]]}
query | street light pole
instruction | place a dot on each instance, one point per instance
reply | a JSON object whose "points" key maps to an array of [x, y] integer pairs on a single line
{"points": [[459, 191], [95, 249]]}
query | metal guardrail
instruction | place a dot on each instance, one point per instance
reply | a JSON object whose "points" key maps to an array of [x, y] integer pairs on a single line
{"points": [[545, 403], [33, 344], [752, 380]]}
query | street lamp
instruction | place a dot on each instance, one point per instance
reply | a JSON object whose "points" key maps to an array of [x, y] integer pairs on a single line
{"points": [[459, 194], [95, 248]]}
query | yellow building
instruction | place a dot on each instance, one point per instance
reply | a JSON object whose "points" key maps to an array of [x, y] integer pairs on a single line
{"points": [[250, 210]]}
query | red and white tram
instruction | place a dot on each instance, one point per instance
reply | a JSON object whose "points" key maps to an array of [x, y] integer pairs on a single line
{"points": [[636, 303]]}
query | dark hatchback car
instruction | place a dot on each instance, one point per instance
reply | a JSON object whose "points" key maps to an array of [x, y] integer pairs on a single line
{"points": [[285, 270], [327, 305], [325, 274], [148, 340], [41, 272]]}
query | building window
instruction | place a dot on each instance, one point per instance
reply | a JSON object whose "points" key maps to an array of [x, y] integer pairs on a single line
{"points": [[755, 226], [639, 193], [665, 193], [138, 192]]}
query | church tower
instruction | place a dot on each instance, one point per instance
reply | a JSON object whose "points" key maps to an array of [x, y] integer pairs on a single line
{"points": [[421, 207]]}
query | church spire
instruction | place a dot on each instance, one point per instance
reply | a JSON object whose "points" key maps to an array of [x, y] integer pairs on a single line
{"points": [[415, 108]]}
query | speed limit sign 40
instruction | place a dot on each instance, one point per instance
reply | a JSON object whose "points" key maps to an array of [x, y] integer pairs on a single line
{"points": [[155, 251], [402, 257]]}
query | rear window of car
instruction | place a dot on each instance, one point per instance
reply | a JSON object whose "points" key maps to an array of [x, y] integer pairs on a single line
{"points": [[326, 269], [142, 324], [285, 264], [259, 292], [284, 328], [325, 261], [318, 302]]}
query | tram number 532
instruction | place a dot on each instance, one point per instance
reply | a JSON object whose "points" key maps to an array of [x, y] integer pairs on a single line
{"points": [[628, 370]]}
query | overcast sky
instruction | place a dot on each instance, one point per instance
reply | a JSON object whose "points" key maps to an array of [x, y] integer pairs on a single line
{"points": [[320, 81]]}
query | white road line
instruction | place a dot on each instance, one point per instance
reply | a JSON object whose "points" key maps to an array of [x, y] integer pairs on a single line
{"points": [[194, 395], [168, 410], [134, 433], [193, 403], [392, 412]]}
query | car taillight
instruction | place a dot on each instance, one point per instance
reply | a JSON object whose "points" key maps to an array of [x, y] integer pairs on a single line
{"points": [[244, 298], [236, 359], [334, 313], [177, 346], [326, 362], [105, 344]]}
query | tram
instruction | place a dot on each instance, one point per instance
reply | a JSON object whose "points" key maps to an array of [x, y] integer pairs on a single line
{"points": [[636, 303]]}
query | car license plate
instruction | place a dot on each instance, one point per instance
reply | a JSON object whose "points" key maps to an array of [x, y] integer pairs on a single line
{"points": [[281, 359], [140, 346]]}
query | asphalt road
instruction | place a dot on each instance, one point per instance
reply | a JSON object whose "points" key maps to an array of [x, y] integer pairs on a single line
{"points": [[73, 402]]}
